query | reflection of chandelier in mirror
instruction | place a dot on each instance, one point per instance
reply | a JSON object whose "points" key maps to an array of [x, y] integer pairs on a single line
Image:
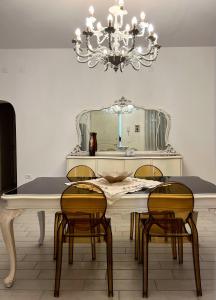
{"points": [[114, 46], [121, 106]]}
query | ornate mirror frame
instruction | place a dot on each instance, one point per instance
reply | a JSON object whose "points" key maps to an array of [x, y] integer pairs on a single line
{"points": [[123, 104]]}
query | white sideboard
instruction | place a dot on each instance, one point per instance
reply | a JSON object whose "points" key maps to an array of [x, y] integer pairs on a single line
{"points": [[169, 165]]}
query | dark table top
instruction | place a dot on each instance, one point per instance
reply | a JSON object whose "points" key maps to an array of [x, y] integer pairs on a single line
{"points": [[56, 185]]}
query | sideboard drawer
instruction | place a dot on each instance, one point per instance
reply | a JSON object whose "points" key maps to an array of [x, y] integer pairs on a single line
{"points": [[79, 161], [110, 165]]}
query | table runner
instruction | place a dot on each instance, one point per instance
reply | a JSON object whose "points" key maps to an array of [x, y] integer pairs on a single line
{"points": [[114, 191]]}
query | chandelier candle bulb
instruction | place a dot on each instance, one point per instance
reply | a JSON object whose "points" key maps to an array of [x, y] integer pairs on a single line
{"points": [[110, 20], [134, 22], [142, 16], [150, 29], [91, 10], [156, 37], [78, 33], [89, 24], [121, 3], [115, 45], [123, 52], [99, 26], [139, 50], [127, 27]]}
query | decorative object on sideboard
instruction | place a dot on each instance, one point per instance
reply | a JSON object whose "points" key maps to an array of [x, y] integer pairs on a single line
{"points": [[130, 152], [78, 152], [114, 46], [170, 150], [113, 177], [92, 143]]}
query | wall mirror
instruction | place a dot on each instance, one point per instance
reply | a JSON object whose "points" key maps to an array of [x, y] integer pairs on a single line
{"points": [[124, 125]]}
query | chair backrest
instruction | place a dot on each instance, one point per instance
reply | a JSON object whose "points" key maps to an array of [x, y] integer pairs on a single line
{"points": [[172, 196], [84, 200], [148, 170], [80, 171]]}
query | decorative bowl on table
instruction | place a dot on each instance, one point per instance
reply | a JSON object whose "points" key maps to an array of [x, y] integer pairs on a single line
{"points": [[114, 176]]}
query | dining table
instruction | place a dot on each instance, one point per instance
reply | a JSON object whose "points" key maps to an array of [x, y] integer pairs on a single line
{"points": [[44, 193]]}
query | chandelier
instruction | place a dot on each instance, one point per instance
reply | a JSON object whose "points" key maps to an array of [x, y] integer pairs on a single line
{"points": [[115, 45]]}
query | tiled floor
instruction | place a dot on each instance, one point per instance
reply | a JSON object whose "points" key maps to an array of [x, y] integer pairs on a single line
{"points": [[87, 280]]}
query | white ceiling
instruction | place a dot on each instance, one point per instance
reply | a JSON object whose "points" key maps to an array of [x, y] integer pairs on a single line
{"points": [[51, 23]]}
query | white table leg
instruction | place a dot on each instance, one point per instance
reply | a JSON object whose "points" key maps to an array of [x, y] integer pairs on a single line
{"points": [[41, 219], [7, 217]]}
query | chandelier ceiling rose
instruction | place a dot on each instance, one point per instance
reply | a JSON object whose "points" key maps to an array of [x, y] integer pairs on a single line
{"points": [[115, 45]]}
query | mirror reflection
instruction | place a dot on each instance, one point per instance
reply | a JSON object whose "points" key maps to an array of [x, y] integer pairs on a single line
{"points": [[123, 126]]}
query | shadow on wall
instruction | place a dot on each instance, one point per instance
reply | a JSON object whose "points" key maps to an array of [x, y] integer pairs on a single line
{"points": [[8, 161]]}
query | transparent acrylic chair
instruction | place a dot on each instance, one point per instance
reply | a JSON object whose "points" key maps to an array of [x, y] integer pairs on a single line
{"points": [[170, 215], [83, 208], [142, 171], [80, 173]]}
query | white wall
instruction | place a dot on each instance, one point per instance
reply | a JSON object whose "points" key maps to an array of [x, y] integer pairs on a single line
{"points": [[48, 88]]}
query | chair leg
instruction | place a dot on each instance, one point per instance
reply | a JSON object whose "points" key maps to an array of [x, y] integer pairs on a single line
{"points": [[109, 261], [132, 214], [180, 250], [93, 244], [56, 225], [59, 245], [98, 229], [174, 251], [195, 250], [140, 243], [70, 244], [137, 217], [145, 264]]}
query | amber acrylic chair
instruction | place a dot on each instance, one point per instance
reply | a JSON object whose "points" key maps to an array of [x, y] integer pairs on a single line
{"points": [[83, 207], [143, 171], [170, 215], [80, 172]]}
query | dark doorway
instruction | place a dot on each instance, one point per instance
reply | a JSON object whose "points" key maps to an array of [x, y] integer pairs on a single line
{"points": [[8, 163]]}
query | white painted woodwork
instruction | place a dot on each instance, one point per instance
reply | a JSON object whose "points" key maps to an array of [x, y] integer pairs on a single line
{"points": [[169, 165], [7, 217]]}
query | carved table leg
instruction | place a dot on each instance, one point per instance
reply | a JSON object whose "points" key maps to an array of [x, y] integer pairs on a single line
{"points": [[41, 219], [7, 217]]}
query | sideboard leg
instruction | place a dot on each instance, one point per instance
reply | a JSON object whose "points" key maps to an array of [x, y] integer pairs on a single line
{"points": [[41, 219], [7, 217]]}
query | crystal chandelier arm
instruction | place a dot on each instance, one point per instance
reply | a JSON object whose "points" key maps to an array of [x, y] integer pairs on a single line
{"points": [[92, 65], [102, 40], [139, 63], [134, 67], [89, 46], [83, 61], [145, 62], [78, 53], [154, 56], [142, 33], [148, 59], [133, 44], [149, 51], [109, 40]]}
